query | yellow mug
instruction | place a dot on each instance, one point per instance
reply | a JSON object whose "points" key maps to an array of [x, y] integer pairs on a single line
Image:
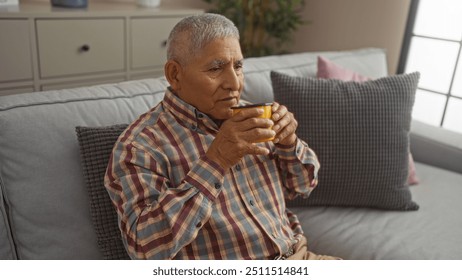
{"points": [[267, 113]]}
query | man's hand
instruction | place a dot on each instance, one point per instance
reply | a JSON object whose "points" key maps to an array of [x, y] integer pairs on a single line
{"points": [[237, 136], [284, 125]]}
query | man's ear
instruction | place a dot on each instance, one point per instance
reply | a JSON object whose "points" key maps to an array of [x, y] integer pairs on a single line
{"points": [[172, 71]]}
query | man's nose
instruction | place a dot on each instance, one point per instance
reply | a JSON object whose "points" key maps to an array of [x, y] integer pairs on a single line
{"points": [[232, 80]]}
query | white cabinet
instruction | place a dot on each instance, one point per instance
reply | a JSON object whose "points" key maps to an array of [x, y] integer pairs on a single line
{"points": [[149, 39], [44, 47], [80, 46], [15, 53]]}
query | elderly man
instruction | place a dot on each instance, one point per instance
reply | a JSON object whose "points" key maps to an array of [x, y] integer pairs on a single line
{"points": [[189, 179]]}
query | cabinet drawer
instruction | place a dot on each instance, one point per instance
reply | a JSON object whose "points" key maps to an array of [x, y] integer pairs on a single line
{"points": [[80, 46], [15, 54], [148, 41]]}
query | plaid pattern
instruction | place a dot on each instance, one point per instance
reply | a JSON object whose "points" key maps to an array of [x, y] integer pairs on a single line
{"points": [[360, 132], [174, 203], [95, 149]]}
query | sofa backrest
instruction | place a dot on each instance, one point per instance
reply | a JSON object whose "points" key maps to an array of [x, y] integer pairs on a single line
{"points": [[41, 177], [257, 88], [44, 205]]}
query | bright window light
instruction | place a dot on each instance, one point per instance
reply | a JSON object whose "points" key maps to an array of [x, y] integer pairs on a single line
{"points": [[453, 118], [439, 18], [456, 89], [428, 107], [433, 48], [435, 60]]}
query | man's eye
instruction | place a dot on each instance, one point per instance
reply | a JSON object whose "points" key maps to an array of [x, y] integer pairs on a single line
{"points": [[238, 66], [214, 69]]}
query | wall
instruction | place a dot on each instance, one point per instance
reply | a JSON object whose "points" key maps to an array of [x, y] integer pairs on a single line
{"points": [[338, 24], [349, 24]]}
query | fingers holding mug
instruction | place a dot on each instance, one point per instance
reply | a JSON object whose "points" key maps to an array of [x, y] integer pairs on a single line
{"points": [[261, 124], [284, 124]]}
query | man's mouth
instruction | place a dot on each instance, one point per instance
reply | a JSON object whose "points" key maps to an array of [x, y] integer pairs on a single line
{"points": [[232, 99]]}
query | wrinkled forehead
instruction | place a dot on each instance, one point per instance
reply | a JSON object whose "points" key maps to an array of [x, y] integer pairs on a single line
{"points": [[218, 51], [220, 46]]}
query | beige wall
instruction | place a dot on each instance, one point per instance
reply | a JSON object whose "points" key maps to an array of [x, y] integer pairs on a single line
{"points": [[339, 24], [349, 24]]}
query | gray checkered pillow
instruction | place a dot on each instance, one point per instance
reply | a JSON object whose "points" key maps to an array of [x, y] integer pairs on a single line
{"points": [[360, 132], [96, 145]]}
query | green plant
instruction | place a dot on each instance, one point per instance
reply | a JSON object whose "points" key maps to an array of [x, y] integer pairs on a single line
{"points": [[265, 25]]}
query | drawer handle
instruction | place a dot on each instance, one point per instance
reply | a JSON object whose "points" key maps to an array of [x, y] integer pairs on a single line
{"points": [[84, 48]]}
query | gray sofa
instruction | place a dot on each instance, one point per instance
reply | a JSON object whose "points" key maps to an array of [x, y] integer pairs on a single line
{"points": [[44, 202]]}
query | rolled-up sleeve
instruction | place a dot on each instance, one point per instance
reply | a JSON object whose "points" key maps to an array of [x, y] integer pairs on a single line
{"points": [[300, 164]]}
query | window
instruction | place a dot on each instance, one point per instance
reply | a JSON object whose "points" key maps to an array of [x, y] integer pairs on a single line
{"points": [[432, 46]]}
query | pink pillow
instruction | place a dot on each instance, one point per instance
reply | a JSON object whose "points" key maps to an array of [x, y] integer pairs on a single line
{"points": [[329, 70], [412, 177]]}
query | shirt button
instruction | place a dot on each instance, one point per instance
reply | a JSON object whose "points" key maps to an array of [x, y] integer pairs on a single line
{"points": [[217, 186], [200, 115], [298, 150], [251, 202], [199, 224], [238, 167], [194, 127]]}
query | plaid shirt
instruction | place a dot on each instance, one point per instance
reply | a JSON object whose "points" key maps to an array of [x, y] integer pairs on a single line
{"points": [[175, 203]]}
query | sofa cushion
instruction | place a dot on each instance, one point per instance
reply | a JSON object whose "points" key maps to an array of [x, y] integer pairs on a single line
{"points": [[7, 251], [257, 85], [95, 149], [360, 132], [327, 69], [432, 233], [40, 170]]}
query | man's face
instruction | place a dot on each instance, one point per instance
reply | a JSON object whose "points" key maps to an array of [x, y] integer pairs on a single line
{"points": [[212, 81]]}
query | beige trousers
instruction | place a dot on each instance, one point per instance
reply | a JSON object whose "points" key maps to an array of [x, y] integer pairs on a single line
{"points": [[301, 252]]}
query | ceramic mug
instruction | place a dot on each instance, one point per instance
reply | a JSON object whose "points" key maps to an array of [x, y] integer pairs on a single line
{"points": [[267, 113]]}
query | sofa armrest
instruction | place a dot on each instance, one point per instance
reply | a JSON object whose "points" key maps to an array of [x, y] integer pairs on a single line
{"points": [[436, 146]]}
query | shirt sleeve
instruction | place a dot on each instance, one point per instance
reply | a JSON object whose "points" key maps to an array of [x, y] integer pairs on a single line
{"points": [[301, 166], [157, 219]]}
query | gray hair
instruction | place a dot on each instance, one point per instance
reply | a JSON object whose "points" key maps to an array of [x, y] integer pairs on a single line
{"points": [[192, 33]]}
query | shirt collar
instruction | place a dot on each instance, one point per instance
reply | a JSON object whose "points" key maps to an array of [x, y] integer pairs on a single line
{"points": [[188, 114]]}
